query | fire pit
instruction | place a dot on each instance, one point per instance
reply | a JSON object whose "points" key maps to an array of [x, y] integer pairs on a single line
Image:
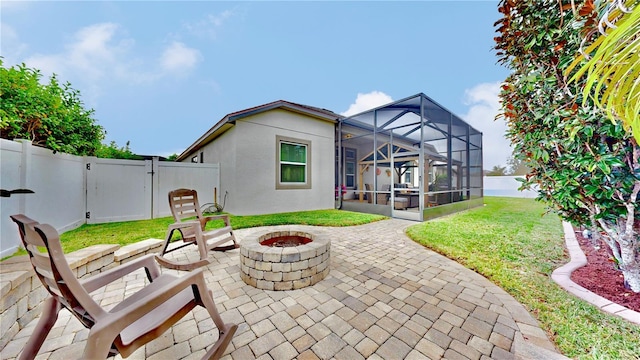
{"points": [[285, 259], [286, 241]]}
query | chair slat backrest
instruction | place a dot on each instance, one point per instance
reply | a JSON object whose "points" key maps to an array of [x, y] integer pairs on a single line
{"points": [[42, 266], [53, 269], [184, 204]]}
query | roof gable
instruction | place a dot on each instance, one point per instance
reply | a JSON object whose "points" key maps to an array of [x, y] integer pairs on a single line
{"points": [[229, 121]]}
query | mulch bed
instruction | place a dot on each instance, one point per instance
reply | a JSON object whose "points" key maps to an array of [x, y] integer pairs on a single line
{"points": [[601, 277]]}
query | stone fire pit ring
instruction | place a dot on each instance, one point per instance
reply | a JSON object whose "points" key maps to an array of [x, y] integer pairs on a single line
{"points": [[284, 268]]}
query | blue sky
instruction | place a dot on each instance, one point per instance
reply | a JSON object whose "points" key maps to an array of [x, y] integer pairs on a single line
{"points": [[161, 73]]}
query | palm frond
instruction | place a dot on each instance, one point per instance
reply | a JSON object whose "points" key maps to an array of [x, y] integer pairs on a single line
{"points": [[613, 70]]}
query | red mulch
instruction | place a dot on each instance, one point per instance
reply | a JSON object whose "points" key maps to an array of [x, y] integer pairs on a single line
{"points": [[601, 277]]}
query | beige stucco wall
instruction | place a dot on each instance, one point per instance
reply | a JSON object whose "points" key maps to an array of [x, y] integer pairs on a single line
{"points": [[256, 167], [222, 151], [247, 157]]}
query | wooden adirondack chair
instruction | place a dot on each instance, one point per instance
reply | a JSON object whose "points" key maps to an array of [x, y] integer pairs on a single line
{"points": [[190, 222], [127, 326]]}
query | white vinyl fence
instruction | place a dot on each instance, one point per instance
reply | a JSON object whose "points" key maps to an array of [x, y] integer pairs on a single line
{"points": [[73, 190], [505, 186]]}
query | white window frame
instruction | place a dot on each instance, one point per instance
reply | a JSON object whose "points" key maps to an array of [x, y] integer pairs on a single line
{"points": [[354, 160]]}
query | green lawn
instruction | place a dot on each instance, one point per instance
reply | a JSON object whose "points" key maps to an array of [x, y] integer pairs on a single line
{"points": [[123, 233], [514, 244]]}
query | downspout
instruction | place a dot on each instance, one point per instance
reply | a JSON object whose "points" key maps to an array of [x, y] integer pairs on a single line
{"points": [[421, 161], [339, 188], [449, 158], [468, 160], [375, 158], [481, 164]]}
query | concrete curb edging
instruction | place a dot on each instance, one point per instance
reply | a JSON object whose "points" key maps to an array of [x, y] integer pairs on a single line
{"points": [[562, 276]]}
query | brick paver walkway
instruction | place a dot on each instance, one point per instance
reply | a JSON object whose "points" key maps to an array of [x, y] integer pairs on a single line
{"points": [[385, 297]]}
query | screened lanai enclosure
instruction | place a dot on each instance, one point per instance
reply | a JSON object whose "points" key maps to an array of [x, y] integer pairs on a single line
{"points": [[411, 159]]}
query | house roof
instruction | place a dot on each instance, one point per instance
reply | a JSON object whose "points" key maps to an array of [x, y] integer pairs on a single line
{"points": [[229, 121]]}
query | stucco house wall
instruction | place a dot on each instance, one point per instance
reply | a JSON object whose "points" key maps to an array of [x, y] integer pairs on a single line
{"points": [[256, 171], [222, 151], [248, 163]]}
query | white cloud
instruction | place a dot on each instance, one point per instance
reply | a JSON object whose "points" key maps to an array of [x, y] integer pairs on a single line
{"points": [[102, 53], [11, 48], [94, 49], [47, 64], [367, 101], [484, 106], [93, 54], [177, 57], [100, 56], [14, 5], [210, 25], [8, 33]]}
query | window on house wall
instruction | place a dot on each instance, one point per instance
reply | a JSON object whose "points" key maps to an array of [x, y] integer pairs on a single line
{"points": [[350, 167], [194, 159], [294, 163], [408, 179], [201, 157]]}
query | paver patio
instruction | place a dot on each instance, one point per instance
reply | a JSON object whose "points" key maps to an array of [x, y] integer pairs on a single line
{"points": [[385, 297]]}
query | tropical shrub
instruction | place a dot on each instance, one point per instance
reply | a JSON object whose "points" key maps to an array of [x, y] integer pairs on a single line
{"points": [[497, 170], [51, 115], [586, 167], [113, 151]]}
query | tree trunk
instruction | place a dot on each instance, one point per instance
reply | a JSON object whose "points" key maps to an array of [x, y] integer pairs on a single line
{"points": [[630, 265], [632, 278], [625, 249]]}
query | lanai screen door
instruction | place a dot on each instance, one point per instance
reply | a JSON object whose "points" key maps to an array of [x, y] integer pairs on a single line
{"points": [[406, 196]]}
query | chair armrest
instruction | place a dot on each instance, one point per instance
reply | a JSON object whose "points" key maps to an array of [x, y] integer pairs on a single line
{"points": [[183, 224], [195, 224], [224, 218], [125, 316], [100, 280], [24, 219]]}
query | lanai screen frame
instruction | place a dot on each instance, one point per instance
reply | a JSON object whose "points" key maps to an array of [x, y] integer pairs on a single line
{"points": [[444, 144]]}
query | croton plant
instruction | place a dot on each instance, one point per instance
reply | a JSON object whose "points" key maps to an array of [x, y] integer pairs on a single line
{"points": [[583, 157]]}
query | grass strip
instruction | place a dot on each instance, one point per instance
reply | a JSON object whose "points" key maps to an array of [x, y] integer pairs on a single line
{"points": [[123, 233]]}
